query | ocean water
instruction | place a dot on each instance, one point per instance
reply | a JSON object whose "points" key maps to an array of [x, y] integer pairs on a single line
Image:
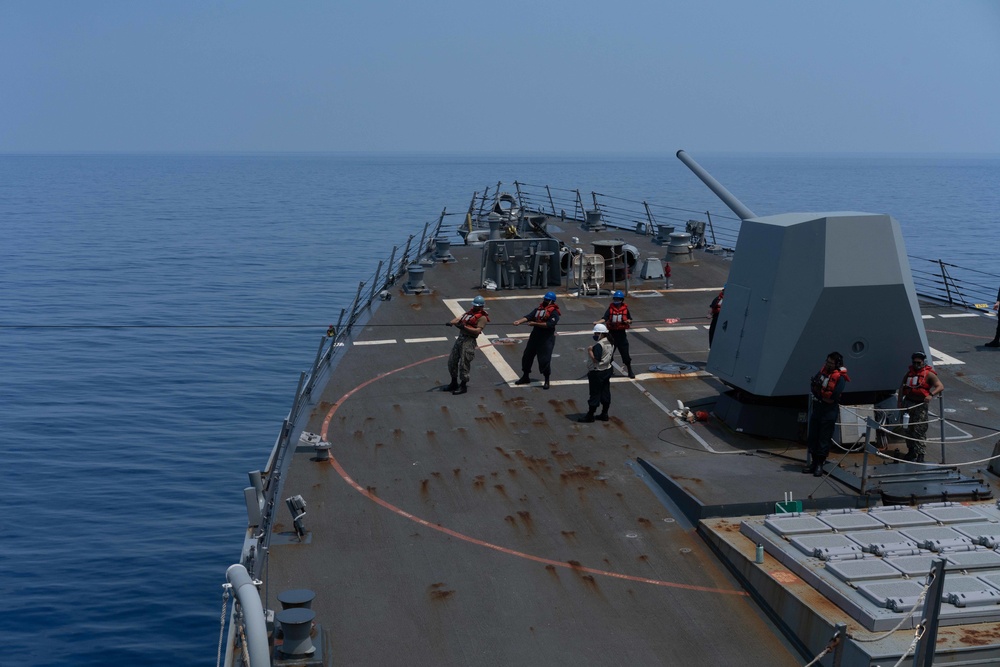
{"points": [[156, 310]]}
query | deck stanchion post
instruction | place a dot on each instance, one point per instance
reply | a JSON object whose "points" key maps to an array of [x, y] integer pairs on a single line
{"points": [[864, 457], [708, 214], [552, 204], [941, 423], [650, 226], [390, 278], [378, 272]]}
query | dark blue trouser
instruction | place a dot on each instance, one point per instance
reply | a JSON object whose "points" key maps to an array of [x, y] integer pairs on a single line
{"points": [[600, 389], [540, 346]]}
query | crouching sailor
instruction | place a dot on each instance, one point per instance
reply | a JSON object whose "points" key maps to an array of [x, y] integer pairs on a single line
{"points": [[826, 387], [470, 326]]}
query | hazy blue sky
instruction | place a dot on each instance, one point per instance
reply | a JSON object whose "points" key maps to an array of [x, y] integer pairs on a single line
{"points": [[518, 76]]}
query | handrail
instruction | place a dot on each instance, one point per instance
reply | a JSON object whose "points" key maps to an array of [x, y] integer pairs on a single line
{"points": [[253, 615]]}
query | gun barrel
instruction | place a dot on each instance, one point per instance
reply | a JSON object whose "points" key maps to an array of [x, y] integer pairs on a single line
{"points": [[727, 197]]}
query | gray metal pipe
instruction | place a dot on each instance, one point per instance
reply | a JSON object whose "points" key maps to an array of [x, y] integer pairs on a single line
{"points": [[734, 204], [253, 614]]}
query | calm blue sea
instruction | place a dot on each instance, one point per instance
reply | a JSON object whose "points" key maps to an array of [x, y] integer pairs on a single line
{"points": [[155, 312]]}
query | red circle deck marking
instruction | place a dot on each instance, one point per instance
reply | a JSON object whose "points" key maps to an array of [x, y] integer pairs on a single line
{"points": [[472, 540]]}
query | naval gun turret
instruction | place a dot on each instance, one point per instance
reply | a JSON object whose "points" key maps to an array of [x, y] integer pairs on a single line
{"points": [[801, 286]]}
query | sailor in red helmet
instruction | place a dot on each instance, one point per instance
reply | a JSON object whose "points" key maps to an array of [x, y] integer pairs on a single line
{"points": [[714, 309], [470, 326], [542, 320], [618, 319], [918, 386], [826, 387]]}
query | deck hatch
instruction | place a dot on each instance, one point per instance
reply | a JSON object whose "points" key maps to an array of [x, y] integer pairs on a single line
{"points": [[868, 569], [828, 547], [899, 517], [854, 520], [795, 524]]}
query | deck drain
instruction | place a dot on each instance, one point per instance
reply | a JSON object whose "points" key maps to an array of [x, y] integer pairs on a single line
{"points": [[685, 550], [631, 536], [673, 369], [668, 520]]}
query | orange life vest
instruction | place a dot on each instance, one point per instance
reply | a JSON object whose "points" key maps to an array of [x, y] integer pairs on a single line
{"points": [[915, 385], [828, 383], [717, 303], [618, 317], [542, 313], [471, 319]]}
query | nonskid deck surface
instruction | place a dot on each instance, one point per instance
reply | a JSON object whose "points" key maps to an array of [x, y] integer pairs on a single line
{"points": [[492, 527]]}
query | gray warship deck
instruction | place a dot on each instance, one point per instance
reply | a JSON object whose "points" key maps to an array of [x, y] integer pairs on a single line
{"points": [[493, 528]]}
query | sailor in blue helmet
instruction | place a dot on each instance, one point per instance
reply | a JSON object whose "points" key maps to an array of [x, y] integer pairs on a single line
{"points": [[542, 321], [470, 326], [618, 319]]}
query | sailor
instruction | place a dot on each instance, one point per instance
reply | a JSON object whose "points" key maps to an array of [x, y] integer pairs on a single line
{"points": [[470, 326], [714, 309], [599, 374], [542, 320], [827, 387], [618, 319], [918, 386], [996, 337]]}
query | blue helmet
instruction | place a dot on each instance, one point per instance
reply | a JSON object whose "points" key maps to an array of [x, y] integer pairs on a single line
{"points": [[550, 296], [479, 302], [618, 295]]}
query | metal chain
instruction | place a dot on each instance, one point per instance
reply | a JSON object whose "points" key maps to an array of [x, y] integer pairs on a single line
{"points": [[222, 621]]}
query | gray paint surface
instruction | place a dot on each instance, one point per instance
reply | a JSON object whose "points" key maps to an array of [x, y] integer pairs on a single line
{"points": [[805, 284]]}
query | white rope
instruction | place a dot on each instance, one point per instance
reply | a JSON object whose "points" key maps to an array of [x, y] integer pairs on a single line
{"points": [[222, 621], [883, 429], [917, 634], [905, 618], [819, 657]]}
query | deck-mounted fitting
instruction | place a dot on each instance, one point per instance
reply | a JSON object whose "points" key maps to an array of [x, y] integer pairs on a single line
{"points": [[297, 506], [593, 221], [415, 279], [652, 269], [663, 233], [442, 250], [322, 449], [296, 626], [296, 597], [679, 248]]}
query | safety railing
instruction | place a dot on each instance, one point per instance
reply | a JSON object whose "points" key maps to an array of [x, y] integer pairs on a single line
{"points": [[933, 279], [263, 494], [953, 284]]}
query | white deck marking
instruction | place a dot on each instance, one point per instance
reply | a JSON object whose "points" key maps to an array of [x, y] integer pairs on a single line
{"points": [[426, 340], [388, 341], [927, 317], [942, 359], [959, 315], [676, 328]]}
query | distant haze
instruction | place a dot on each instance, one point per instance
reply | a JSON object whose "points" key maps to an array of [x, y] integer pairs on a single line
{"points": [[858, 76]]}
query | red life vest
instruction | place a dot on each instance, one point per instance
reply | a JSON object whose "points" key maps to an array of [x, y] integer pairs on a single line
{"points": [[471, 319], [717, 303], [827, 383], [543, 313], [915, 385], [618, 317]]}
